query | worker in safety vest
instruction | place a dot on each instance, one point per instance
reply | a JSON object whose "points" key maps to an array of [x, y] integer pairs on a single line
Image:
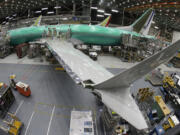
{"points": [[12, 81]]}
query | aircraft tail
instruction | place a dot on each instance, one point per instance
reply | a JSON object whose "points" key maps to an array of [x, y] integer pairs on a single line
{"points": [[37, 22], [127, 77], [106, 22], [141, 25], [115, 92]]}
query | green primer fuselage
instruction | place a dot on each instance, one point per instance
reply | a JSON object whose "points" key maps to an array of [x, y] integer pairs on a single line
{"points": [[88, 34]]}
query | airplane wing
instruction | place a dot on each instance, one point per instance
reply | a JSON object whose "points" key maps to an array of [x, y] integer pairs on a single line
{"points": [[79, 66], [114, 90]]}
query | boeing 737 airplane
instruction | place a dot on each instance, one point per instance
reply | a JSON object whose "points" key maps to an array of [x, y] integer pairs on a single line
{"points": [[88, 34], [113, 91]]}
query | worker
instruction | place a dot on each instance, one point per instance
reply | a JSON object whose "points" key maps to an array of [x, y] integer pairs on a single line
{"points": [[12, 81], [1, 85]]}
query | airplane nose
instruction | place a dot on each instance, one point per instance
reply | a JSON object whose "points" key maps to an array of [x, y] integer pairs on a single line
{"points": [[4, 39]]}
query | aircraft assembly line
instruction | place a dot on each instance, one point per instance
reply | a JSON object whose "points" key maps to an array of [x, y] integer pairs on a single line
{"points": [[60, 84]]}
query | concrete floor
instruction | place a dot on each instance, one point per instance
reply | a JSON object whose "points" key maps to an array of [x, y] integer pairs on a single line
{"points": [[25, 60], [51, 90]]}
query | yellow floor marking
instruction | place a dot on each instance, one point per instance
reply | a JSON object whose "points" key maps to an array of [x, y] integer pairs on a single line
{"points": [[59, 69]]}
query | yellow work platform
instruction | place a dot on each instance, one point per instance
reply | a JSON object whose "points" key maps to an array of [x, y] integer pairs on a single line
{"points": [[162, 105], [15, 125], [168, 80]]}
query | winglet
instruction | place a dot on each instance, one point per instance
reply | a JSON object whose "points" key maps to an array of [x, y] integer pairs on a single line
{"points": [[106, 22], [38, 21]]}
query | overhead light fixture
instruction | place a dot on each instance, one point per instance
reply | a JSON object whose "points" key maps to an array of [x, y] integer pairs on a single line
{"points": [[57, 7], [65, 18], [94, 8], [156, 27], [38, 12], [113, 10], [44, 9], [100, 10], [51, 12], [100, 15], [153, 22], [107, 14]]}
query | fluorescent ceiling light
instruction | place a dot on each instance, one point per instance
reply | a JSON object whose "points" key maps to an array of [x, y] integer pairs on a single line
{"points": [[94, 8], [153, 22], [57, 7], [107, 14], [100, 10], [156, 27], [100, 15], [51, 12], [38, 12], [113, 10], [65, 18], [44, 9]]}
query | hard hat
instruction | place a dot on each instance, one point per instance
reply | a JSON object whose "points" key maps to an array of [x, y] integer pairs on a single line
{"points": [[1, 84], [12, 76]]}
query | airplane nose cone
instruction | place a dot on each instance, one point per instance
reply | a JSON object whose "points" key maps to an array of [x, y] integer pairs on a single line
{"points": [[4, 38]]}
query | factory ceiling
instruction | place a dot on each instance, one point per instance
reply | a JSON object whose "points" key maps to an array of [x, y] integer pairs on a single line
{"points": [[167, 11]]}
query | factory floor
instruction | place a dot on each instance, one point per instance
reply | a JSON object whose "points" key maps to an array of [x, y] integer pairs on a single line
{"points": [[54, 95]]}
